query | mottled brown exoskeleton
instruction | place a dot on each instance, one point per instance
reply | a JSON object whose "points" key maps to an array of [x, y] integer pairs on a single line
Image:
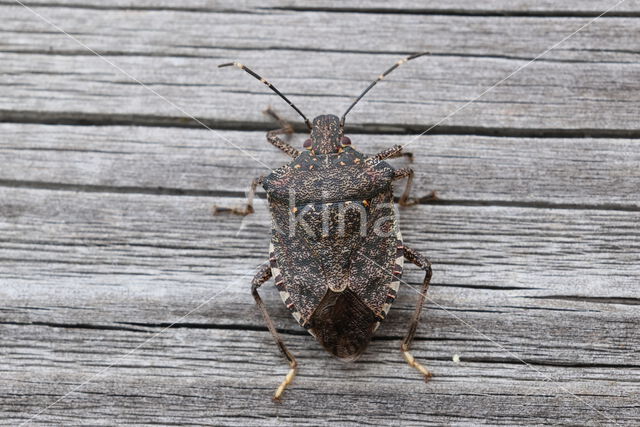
{"points": [[336, 251]]}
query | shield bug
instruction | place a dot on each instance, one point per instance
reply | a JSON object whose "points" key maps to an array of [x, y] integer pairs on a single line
{"points": [[336, 251]]}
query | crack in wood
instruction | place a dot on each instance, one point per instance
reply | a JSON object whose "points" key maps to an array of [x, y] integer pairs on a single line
{"points": [[449, 54], [73, 326], [246, 327], [144, 120], [595, 300], [133, 7], [446, 11], [568, 13], [427, 200]]}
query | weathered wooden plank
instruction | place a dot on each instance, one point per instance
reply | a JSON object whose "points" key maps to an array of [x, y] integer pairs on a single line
{"points": [[209, 377], [95, 257], [585, 98], [167, 33], [81, 263], [125, 259], [570, 8], [592, 172], [75, 260], [548, 95]]}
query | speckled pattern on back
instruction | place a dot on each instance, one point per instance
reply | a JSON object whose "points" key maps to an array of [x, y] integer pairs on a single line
{"points": [[344, 268]]}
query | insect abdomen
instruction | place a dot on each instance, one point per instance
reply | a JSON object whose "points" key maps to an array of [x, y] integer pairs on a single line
{"points": [[343, 324]]}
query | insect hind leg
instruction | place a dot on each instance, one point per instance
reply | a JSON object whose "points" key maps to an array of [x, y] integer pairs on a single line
{"points": [[261, 277], [424, 264]]}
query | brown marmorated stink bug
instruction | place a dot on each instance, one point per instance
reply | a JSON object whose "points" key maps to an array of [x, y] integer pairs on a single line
{"points": [[336, 251]]}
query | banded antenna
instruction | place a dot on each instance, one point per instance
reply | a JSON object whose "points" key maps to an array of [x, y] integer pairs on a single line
{"points": [[380, 77], [272, 87]]}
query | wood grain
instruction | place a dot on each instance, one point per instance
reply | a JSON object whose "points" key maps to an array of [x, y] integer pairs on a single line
{"points": [[124, 301], [461, 168], [582, 87], [108, 262], [207, 377], [548, 99], [161, 33], [504, 7]]}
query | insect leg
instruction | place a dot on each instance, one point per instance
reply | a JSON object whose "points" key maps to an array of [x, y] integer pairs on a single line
{"points": [[423, 263], [286, 129], [248, 207], [389, 153], [262, 276], [392, 153], [404, 198]]}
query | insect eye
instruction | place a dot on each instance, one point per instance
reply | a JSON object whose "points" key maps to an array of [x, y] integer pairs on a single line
{"points": [[307, 143], [345, 140]]}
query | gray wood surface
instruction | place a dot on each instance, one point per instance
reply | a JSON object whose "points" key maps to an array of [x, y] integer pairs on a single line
{"points": [[524, 7], [107, 237], [588, 86]]}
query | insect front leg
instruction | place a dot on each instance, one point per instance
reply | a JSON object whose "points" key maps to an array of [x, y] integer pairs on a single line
{"points": [[285, 129], [423, 263], [404, 198], [262, 276], [248, 207], [392, 153]]}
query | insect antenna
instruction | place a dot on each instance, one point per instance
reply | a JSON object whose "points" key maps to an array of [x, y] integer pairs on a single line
{"points": [[380, 77], [272, 87]]}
